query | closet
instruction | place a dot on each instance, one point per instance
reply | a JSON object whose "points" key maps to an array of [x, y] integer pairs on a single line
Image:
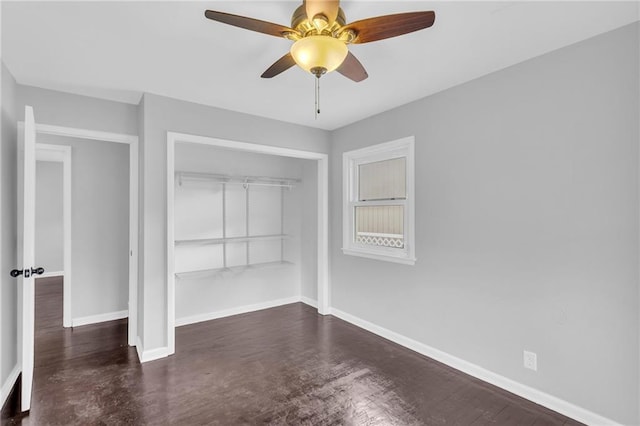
{"points": [[245, 230]]}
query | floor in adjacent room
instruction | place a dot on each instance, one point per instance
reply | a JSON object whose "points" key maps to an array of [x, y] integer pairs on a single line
{"points": [[286, 365]]}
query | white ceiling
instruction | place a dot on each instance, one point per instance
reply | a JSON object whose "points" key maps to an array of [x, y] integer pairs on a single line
{"points": [[118, 50]]}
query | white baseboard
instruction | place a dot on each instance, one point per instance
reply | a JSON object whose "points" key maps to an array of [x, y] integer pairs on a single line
{"points": [[150, 355], [8, 384], [235, 311], [553, 403], [309, 301], [94, 319], [51, 274]]}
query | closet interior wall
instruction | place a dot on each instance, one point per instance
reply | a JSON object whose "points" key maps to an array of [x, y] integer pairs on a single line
{"points": [[245, 231]]}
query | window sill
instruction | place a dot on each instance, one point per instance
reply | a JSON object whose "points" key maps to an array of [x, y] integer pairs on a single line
{"points": [[377, 256]]}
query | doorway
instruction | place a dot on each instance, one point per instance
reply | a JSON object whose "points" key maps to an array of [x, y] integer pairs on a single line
{"points": [[74, 134], [29, 132], [53, 219]]}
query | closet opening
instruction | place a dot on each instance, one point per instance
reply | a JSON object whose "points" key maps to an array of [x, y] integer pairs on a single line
{"points": [[246, 229]]}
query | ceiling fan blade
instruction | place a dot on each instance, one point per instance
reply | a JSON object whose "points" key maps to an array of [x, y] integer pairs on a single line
{"points": [[328, 8], [381, 27], [352, 68], [248, 23], [279, 66]]}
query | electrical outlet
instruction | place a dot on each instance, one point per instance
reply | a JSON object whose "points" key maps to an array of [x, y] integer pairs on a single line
{"points": [[530, 360]]}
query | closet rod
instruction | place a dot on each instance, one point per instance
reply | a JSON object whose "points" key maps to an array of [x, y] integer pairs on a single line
{"points": [[239, 180]]}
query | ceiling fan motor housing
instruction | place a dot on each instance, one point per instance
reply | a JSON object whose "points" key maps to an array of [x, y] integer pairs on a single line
{"points": [[302, 23]]}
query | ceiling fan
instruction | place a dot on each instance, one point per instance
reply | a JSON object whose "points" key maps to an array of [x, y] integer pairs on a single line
{"points": [[321, 36]]}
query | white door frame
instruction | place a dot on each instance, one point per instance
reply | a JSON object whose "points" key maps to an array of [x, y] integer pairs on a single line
{"points": [[323, 214], [26, 239], [62, 154], [132, 141]]}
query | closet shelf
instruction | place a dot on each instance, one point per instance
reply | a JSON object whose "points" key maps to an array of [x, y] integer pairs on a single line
{"points": [[203, 241], [208, 272]]}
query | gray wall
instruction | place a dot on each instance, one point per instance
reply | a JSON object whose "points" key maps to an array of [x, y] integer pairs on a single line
{"points": [[99, 225], [527, 224], [66, 109], [8, 227], [161, 115], [49, 238]]}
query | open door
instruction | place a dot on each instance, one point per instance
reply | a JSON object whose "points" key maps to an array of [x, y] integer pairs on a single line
{"points": [[26, 270]]}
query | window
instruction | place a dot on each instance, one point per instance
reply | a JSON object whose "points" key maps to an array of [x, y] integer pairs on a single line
{"points": [[378, 207]]}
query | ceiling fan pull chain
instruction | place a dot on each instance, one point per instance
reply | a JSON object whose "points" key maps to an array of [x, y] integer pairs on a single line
{"points": [[317, 96]]}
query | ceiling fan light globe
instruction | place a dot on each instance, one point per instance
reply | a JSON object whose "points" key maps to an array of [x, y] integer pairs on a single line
{"points": [[319, 51]]}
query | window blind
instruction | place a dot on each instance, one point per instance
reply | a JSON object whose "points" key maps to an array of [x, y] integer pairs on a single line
{"points": [[382, 180]]}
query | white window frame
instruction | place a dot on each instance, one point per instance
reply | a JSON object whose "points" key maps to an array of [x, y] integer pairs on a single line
{"points": [[404, 147]]}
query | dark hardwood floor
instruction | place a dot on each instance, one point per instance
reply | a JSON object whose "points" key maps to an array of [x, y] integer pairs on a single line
{"points": [[285, 365]]}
